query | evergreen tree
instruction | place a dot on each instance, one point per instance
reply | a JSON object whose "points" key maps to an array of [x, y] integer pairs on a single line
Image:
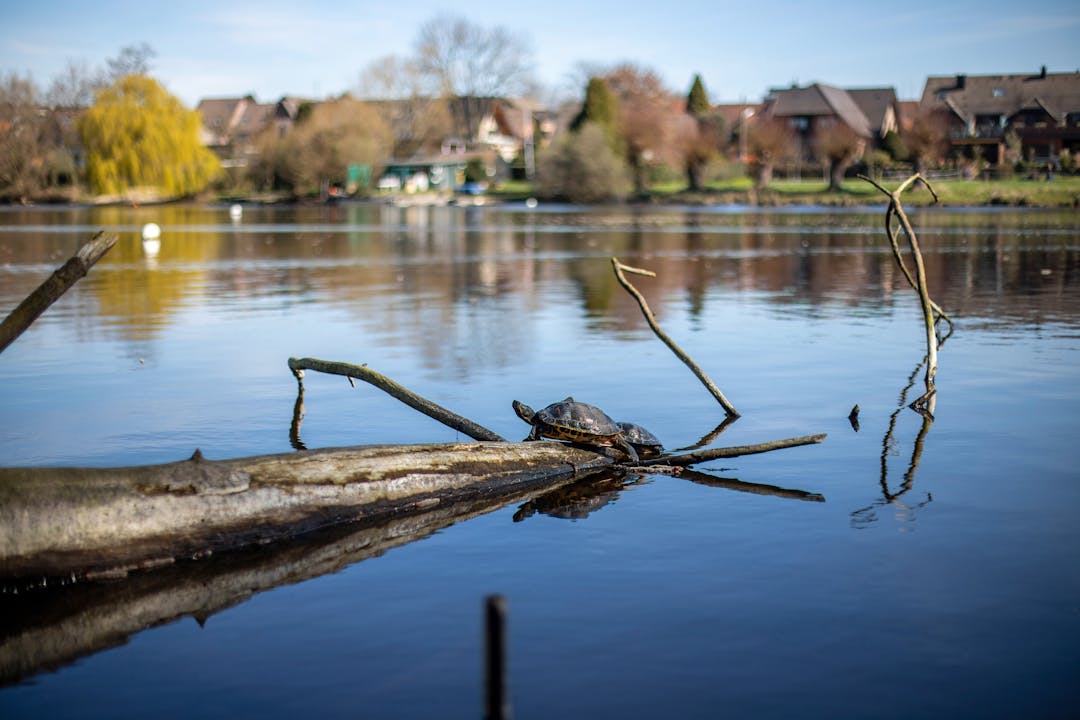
{"points": [[136, 134], [600, 108], [697, 102]]}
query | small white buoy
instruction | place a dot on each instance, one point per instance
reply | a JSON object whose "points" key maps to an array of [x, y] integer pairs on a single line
{"points": [[236, 212], [151, 239], [531, 203]]}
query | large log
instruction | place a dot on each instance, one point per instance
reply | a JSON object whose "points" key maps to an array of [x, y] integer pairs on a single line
{"points": [[47, 628], [84, 523]]}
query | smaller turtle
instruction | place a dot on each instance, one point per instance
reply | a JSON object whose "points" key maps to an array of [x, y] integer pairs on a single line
{"points": [[575, 422], [644, 442]]}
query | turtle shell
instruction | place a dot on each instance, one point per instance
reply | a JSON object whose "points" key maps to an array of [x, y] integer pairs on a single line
{"points": [[577, 422], [642, 440]]}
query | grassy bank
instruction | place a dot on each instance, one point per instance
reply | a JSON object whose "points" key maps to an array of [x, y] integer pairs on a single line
{"points": [[1062, 191]]}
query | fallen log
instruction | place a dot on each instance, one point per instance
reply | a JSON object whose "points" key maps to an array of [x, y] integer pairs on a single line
{"points": [[51, 627], [70, 524]]}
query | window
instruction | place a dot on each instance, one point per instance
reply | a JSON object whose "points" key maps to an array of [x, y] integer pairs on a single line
{"points": [[998, 92]]}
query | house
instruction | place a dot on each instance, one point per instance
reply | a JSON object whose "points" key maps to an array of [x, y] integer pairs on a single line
{"points": [[507, 126], [231, 127], [1038, 114], [809, 110]]}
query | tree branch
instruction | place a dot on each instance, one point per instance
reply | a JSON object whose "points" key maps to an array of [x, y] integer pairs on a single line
{"points": [[417, 402], [708, 383], [700, 456], [58, 283]]}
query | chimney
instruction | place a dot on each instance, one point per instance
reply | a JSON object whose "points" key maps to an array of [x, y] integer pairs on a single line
{"points": [[1042, 73], [961, 80]]}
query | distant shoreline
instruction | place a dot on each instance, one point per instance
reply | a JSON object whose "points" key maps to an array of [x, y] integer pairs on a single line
{"points": [[1062, 192]]}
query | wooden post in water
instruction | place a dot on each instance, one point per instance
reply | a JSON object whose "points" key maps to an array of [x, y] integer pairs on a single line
{"points": [[496, 699]]}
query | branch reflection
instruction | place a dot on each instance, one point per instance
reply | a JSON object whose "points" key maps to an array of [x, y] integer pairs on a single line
{"points": [[579, 500], [904, 510]]}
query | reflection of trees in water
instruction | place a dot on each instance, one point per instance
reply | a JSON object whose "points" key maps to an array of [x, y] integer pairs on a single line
{"points": [[451, 285], [903, 507]]}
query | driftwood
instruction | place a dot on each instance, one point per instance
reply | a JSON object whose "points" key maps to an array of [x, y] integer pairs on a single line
{"points": [[619, 269], [56, 285]]}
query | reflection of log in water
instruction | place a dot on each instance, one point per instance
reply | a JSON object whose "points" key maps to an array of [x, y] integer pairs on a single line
{"points": [[47, 628]]}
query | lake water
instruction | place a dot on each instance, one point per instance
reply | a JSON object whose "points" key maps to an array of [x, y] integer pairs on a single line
{"points": [[940, 577]]}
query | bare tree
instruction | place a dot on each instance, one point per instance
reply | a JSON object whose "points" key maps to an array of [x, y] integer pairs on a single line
{"points": [[394, 88], [840, 146], [459, 58], [646, 109], [22, 138], [769, 141], [132, 60], [927, 140], [74, 86]]}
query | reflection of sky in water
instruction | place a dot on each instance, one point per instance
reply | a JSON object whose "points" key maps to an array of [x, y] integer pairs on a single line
{"points": [[679, 595]]}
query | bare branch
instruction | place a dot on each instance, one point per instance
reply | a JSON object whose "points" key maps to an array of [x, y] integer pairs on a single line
{"points": [[417, 402], [58, 283], [700, 456], [708, 383]]}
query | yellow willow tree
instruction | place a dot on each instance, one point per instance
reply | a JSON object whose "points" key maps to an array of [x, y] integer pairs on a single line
{"points": [[137, 135]]}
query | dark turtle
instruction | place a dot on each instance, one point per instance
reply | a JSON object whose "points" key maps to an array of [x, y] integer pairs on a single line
{"points": [[576, 422], [644, 442]]}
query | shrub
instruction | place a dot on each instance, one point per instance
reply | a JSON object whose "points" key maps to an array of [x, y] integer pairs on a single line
{"points": [[582, 167]]}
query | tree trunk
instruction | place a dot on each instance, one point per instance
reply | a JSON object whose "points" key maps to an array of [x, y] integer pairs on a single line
{"points": [[837, 169]]}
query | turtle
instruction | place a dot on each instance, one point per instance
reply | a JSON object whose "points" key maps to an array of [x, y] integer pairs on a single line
{"points": [[644, 442], [576, 422]]}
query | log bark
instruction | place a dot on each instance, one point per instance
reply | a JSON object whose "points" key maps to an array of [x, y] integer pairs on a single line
{"points": [[56, 285], [83, 523]]}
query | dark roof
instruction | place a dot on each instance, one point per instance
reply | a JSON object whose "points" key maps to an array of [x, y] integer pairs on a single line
{"points": [[820, 100], [969, 95], [875, 104]]}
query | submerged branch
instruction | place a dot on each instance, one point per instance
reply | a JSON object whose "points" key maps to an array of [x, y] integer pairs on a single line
{"points": [[400, 392], [651, 319], [56, 285]]}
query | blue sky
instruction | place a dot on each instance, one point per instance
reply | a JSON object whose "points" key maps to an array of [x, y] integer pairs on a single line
{"points": [[272, 48]]}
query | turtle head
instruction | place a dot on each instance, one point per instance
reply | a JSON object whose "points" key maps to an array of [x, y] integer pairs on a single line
{"points": [[524, 411]]}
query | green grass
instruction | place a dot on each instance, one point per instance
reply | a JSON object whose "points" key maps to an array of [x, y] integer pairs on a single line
{"points": [[1062, 191]]}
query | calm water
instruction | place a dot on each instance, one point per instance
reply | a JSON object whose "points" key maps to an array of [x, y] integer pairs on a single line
{"points": [[940, 577]]}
